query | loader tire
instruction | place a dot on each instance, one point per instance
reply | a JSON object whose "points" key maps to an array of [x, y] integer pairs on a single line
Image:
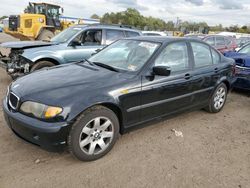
{"points": [[46, 35]]}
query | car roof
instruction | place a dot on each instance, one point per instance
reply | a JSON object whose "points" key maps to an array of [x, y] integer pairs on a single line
{"points": [[104, 26], [161, 39]]}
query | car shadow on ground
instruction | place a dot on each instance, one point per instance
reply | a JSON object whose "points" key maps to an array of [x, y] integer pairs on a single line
{"points": [[243, 92]]}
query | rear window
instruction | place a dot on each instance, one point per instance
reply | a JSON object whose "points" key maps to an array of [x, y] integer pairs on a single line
{"points": [[202, 54], [210, 41], [131, 34], [220, 41], [113, 35], [216, 56], [228, 41]]}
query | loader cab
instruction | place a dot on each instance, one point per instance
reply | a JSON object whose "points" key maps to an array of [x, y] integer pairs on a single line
{"points": [[50, 11]]}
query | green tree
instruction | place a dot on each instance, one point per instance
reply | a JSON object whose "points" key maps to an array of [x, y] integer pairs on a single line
{"points": [[95, 16]]}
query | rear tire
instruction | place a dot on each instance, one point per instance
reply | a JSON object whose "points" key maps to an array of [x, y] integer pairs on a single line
{"points": [[46, 35], [218, 99], [41, 65], [93, 134]]}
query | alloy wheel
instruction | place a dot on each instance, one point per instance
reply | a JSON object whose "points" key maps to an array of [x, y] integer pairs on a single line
{"points": [[219, 98], [96, 136]]}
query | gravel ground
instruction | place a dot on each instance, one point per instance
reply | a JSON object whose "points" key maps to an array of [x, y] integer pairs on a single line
{"points": [[213, 152]]}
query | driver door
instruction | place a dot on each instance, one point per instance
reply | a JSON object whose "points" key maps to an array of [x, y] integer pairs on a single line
{"points": [[84, 45], [162, 95]]}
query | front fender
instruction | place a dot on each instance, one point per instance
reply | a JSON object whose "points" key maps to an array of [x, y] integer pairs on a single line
{"points": [[44, 54], [81, 105]]}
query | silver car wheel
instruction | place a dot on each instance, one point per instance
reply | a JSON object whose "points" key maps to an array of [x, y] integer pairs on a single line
{"points": [[219, 98], [96, 136]]}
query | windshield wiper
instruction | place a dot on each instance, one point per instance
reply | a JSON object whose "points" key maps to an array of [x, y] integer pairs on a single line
{"points": [[106, 66], [86, 60]]}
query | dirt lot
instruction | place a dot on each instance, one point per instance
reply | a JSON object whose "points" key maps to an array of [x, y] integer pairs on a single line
{"points": [[214, 152]]}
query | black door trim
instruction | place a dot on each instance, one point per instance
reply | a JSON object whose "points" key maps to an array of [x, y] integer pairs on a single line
{"points": [[167, 100]]}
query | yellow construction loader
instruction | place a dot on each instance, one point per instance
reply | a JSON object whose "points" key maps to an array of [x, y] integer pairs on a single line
{"points": [[40, 21]]}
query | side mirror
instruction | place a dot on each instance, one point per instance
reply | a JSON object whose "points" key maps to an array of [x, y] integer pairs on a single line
{"points": [[161, 70], [75, 43], [96, 51]]}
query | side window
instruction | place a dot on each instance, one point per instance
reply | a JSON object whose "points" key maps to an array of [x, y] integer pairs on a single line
{"points": [[92, 37], [89, 38], [131, 34], [210, 41], [220, 41], [202, 54], [216, 56], [228, 41], [113, 35], [175, 56]]}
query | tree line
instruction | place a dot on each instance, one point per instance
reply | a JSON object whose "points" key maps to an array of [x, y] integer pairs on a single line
{"points": [[133, 18]]}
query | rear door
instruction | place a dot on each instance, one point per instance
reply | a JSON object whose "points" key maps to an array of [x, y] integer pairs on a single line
{"points": [[163, 95], [205, 72]]}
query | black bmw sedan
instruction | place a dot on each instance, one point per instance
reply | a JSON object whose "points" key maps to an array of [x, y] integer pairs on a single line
{"points": [[86, 105]]}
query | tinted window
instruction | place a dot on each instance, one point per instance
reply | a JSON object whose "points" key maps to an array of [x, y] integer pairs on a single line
{"points": [[220, 41], [131, 34], [210, 41], [216, 56], [113, 35], [174, 56], [202, 54]]}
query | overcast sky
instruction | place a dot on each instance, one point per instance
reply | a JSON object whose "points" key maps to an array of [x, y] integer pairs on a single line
{"points": [[226, 12]]}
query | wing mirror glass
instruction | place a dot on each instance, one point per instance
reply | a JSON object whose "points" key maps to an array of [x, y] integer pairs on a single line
{"points": [[161, 70], [75, 43]]}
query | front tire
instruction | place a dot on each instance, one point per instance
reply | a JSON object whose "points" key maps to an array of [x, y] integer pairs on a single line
{"points": [[93, 134], [218, 99]]}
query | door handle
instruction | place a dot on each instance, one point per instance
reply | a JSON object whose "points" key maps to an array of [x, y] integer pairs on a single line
{"points": [[187, 76], [216, 70]]}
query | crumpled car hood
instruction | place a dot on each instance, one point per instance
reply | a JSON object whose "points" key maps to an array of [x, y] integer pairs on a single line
{"points": [[239, 56], [25, 44]]}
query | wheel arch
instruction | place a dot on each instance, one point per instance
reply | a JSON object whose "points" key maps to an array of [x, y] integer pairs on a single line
{"points": [[225, 81], [47, 59], [112, 106]]}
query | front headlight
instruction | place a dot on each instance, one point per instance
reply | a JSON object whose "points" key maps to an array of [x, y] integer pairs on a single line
{"points": [[40, 110]]}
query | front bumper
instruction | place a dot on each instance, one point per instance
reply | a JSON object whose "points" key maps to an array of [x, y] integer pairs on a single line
{"points": [[49, 136]]}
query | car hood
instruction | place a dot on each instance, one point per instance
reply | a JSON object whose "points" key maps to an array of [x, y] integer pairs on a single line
{"points": [[240, 58], [62, 81], [25, 44]]}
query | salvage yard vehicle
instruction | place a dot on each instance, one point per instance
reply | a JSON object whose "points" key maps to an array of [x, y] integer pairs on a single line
{"points": [[73, 44], [130, 82], [242, 59], [221, 43], [39, 21]]}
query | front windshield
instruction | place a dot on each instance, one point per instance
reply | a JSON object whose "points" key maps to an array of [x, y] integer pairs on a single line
{"points": [[66, 35], [128, 55]]}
